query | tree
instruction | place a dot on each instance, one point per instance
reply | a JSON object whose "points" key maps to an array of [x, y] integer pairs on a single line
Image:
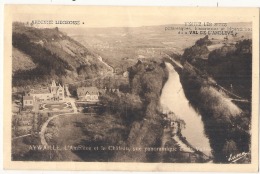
{"points": [[229, 148]]}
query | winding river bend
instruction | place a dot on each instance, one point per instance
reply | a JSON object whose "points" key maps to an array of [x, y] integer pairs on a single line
{"points": [[174, 99]]}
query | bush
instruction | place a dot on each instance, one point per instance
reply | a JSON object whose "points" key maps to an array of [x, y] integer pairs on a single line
{"points": [[204, 41]]}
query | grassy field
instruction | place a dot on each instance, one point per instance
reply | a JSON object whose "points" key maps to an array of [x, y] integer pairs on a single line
{"points": [[21, 150], [86, 130], [21, 61]]}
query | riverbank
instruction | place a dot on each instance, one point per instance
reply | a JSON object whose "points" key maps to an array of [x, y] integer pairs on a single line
{"points": [[226, 125], [173, 100], [147, 79], [183, 151]]}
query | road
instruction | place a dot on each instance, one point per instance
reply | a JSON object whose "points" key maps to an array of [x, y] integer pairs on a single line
{"points": [[107, 65], [21, 136], [45, 124]]}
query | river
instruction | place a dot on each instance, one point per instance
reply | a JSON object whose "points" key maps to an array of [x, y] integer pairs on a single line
{"points": [[174, 99]]}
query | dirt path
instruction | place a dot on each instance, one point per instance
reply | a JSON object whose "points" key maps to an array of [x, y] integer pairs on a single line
{"points": [[106, 64], [44, 127], [21, 136], [72, 101]]}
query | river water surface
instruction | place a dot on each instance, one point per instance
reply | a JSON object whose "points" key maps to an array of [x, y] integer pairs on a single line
{"points": [[173, 99]]}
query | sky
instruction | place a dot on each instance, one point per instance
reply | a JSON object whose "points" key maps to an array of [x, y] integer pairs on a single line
{"points": [[93, 16]]}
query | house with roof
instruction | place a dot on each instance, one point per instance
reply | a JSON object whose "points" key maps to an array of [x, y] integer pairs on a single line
{"points": [[55, 92], [27, 100], [88, 94]]}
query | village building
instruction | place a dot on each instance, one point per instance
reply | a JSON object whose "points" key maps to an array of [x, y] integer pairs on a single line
{"points": [[88, 94], [53, 93], [27, 101], [113, 90]]}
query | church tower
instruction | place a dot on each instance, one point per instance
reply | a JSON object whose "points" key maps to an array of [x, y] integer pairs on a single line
{"points": [[53, 87]]}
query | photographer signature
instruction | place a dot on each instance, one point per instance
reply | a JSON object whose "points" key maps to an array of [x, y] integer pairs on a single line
{"points": [[234, 158]]}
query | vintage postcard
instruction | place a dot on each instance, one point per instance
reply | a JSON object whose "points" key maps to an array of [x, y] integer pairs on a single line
{"points": [[131, 88]]}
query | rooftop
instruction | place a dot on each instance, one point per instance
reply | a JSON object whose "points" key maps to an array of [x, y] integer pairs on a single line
{"points": [[40, 91], [27, 97], [84, 90]]}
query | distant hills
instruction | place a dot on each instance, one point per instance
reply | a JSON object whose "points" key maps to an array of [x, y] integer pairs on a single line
{"points": [[121, 47], [43, 54]]}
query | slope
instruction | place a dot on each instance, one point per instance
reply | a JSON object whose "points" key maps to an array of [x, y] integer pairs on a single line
{"points": [[56, 55]]}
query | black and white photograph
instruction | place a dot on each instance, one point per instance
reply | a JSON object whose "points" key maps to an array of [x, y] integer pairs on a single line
{"points": [[115, 84]]}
